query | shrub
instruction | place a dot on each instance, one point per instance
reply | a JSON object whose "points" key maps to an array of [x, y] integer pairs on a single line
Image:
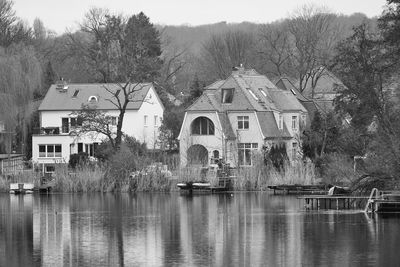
{"points": [[336, 169], [78, 159]]}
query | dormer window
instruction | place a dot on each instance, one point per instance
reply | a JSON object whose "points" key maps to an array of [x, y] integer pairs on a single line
{"points": [[252, 94], [227, 95], [75, 93], [92, 99]]}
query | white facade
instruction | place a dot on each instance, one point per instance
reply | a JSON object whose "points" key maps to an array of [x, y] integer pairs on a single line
{"points": [[228, 149], [239, 117], [56, 141]]}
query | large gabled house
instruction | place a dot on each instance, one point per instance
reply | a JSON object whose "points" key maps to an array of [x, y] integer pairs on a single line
{"points": [[56, 139], [238, 116]]}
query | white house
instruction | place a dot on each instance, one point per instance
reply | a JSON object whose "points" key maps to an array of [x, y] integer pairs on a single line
{"points": [[238, 116], [57, 139]]}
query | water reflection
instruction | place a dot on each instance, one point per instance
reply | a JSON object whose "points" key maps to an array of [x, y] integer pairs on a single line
{"points": [[243, 229]]}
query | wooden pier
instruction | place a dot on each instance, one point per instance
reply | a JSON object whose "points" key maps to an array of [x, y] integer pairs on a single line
{"points": [[383, 201], [299, 189], [224, 184], [337, 202]]}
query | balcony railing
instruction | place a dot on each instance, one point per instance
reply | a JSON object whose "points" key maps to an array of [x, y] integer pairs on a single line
{"points": [[53, 130]]}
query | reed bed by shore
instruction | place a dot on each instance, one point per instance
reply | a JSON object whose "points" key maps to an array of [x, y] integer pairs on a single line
{"points": [[108, 178]]}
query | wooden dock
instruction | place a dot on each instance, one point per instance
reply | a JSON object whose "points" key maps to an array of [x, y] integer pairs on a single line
{"points": [[383, 201], [224, 184], [337, 202], [299, 189]]}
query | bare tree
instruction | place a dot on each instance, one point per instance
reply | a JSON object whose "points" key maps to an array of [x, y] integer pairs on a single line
{"points": [[274, 47], [313, 33], [222, 52]]}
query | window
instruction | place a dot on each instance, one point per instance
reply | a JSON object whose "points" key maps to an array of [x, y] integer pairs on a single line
{"points": [[252, 94], [65, 125], [76, 93], [216, 154], [202, 126], [89, 149], [73, 122], [80, 147], [227, 95], [42, 151], [145, 120], [215, 157], [243, 122], [280, 121], [294, 123], [262, 92], [303, 121], [155, 120], [245, 151], [294, 151], [113, 120], [92, 99], [49, 169], [79, 121], [57, 150], [50, 151]]}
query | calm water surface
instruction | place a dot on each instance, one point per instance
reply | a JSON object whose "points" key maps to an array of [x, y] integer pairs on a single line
{"points": [[243, 229]]}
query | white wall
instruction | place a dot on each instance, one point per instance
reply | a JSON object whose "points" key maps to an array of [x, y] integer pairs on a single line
{"points": [[210, 142], [151, 107], [133, 121], [64, 141], [251, 135]]}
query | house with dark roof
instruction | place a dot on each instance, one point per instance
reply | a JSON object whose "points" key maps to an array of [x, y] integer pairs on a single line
{"points": [[318, 96], [237, 117], [56, 139]]}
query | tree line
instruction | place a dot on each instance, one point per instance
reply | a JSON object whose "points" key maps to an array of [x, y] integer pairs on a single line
{"points": [[110, 48]]}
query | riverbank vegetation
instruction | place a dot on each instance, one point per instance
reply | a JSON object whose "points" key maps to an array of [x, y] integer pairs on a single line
{"points": [[365, 122]]}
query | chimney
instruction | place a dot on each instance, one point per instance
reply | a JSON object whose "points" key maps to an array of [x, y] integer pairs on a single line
{"points": [[238, 70], [62, 85]]}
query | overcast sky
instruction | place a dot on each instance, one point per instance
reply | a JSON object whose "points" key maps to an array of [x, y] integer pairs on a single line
{"points": [[61, 14]]}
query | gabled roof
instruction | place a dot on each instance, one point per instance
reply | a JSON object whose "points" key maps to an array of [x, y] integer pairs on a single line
{"points": [[226, 126], [252, 92], [286, 101], [215, 85], [327, 83], [286, 84], [268, 125], [58, 99]]}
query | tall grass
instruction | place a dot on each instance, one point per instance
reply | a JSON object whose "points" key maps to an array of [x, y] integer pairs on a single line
{"points": [[84, 178], [28, 176], [115, 176]]}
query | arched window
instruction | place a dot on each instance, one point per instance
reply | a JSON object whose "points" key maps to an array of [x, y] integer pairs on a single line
{"points": [[92, 99], [202, 126], [215, 154]]}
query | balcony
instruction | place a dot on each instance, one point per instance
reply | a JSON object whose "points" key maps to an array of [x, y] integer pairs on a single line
{"points": [[65, 130]]}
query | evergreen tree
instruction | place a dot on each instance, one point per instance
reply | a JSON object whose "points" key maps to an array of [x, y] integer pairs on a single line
{"points": [[196, 89]]}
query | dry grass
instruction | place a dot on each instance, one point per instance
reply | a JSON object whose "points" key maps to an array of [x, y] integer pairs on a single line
{"points": [[260, 176], [83, 179], [27, 176]]}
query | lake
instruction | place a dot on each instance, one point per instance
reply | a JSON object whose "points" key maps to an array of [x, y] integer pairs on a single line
{"points": [[240, 229]]}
